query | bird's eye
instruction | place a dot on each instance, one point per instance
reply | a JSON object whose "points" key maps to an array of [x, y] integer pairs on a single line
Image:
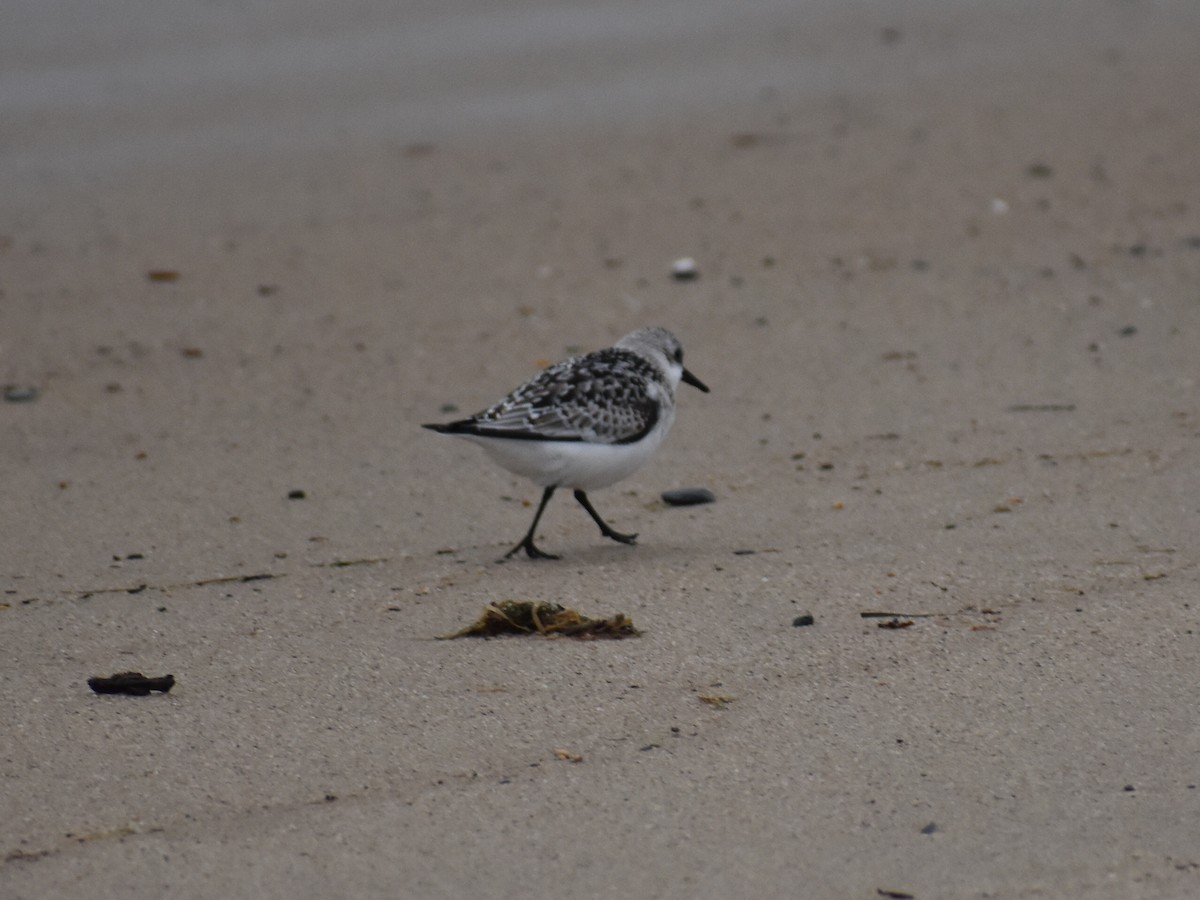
{"points": [[679, 356]]}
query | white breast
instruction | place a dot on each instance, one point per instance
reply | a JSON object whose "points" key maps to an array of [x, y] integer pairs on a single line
{"points": [[575, 464]]}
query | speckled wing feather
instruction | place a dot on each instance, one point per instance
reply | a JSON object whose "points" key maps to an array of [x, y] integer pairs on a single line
{"points": [[606, 397]]}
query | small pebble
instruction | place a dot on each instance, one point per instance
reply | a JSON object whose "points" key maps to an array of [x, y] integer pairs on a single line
{"points": [[296, 495], [684, 269], [801, 621], [688, 497], [930, 828], [20, 393]]}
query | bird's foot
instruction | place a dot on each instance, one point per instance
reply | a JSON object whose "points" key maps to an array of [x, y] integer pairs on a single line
{"points": [[530, 549], [617, 536], [605, 528]]}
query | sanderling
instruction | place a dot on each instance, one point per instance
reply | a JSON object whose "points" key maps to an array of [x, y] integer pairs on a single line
{"points": [[584, 423]]}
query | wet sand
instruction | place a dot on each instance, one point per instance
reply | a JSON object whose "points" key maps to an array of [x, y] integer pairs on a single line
{"points": [[948, 307]]}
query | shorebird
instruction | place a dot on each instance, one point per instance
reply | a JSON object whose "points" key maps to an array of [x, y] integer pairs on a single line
{"points": [[584, 423]]}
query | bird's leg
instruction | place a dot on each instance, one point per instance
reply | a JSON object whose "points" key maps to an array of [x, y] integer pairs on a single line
{"points": [[527, 542], [604, 526]]}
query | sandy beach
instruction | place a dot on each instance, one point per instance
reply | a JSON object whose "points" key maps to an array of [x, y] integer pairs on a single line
{"points": [[949, 308]]}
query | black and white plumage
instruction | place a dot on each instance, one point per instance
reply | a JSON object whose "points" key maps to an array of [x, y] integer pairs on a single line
{"points": [[584, 423]]}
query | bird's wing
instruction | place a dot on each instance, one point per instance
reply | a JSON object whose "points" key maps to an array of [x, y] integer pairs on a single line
{"points": [[607, 397]]}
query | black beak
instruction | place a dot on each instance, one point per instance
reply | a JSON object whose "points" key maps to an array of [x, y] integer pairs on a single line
{"points": [[689, 378]]}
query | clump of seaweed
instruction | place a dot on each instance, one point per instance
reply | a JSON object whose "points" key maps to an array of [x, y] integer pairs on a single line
{"points": [[547, 619]]}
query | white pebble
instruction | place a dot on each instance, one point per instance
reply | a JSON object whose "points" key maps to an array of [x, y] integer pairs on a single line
{"points": [[684, 269]]}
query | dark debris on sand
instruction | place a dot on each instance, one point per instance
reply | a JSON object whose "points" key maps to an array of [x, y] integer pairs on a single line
{"points": [[130, 683], [546, 619]]}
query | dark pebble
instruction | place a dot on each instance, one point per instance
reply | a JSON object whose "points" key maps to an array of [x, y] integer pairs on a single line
{"points": [[296, 495], [1128, 331], [801, 621], [688, 497], [20, 393], [930, 828], [130, 683]]}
